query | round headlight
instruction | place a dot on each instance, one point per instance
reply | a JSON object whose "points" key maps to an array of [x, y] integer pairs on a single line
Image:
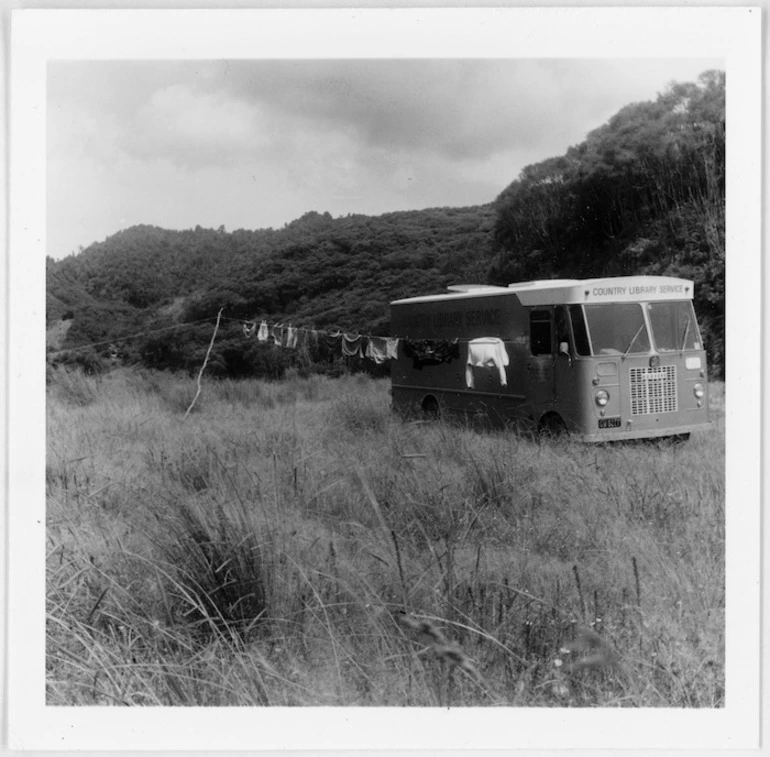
{"points": [[699, 390], [601, 398]]}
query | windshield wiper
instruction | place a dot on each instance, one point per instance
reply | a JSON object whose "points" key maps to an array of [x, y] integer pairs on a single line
{"points": [[631, 343], [684, 338]]}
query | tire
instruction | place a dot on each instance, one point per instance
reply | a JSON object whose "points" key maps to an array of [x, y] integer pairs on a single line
{"points": [[552, 425], [430, 408]]}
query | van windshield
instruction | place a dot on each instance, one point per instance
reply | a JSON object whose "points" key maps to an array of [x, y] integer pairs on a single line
{"points": [[673, 326], [617, 329]]}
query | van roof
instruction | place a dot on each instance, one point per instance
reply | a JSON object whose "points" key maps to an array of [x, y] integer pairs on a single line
{"points": [[572, 291]]}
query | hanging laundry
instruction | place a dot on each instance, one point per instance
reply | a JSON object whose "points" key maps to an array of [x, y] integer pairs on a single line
{"points": [[352, 345], [431, 351], [302, 339], [331, 339], [277, 332], [486, 352], [377, 349]]}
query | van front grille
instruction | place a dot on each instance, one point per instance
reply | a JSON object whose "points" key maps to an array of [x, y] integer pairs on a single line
{"points": [[653, 390]]}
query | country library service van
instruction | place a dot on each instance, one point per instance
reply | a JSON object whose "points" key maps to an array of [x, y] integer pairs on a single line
{"points": [[612, 358]]}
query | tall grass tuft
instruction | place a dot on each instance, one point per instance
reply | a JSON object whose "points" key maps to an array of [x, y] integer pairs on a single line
{"points": [[73, 386], [217, 559], [360, 413]]}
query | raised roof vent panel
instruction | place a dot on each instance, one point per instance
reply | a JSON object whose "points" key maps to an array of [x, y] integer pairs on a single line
{"points": [[543, 284], [480, 288]]}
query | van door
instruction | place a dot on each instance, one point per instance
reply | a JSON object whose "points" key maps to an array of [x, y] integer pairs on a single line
{"points": [[563, 376], [540, 361]]}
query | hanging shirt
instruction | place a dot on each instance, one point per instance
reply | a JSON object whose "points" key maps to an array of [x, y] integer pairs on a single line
{"points": [[331, 340], [431, 351], [249, 329], [377, 349], [301, 339], [392, 348], [486, 352], [291, 338], [352, 345], [277, 332], [263, 332]]}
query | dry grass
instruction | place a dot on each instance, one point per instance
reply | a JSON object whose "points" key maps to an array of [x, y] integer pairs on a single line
{"points": [[296, 543]]}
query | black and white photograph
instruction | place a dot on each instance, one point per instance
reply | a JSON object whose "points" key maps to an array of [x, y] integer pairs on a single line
{"points": [[369, 373]]}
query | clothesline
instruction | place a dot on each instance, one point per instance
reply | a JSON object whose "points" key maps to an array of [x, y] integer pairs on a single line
{"points": [[284, 324], [126, 338], [483, 352], [376, 348], [414, 339]]}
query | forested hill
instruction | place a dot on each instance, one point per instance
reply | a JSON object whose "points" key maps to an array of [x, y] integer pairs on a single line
{"points": [[317, 271], [644, 193]]}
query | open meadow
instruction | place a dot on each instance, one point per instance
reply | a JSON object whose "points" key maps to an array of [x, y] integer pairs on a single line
{"points": [[296, 543]]}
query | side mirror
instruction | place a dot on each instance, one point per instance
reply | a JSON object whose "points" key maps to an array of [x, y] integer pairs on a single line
{"points": [[564, 348]]}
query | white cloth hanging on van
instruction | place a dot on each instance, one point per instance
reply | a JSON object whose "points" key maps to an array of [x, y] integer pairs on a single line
{"points": [[486, 352]]}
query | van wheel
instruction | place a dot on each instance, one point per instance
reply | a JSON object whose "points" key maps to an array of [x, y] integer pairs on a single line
{"points": [[430, 408], [552, 424]]}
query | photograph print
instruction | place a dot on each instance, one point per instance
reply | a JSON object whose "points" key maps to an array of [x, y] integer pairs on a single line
{"points": [[386, 382]]}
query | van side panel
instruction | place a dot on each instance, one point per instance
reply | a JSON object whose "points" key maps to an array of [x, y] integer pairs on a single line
{"points": [[472, 317]]}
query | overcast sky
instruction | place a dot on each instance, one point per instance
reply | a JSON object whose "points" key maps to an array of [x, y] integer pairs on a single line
{"points": [[255, 144]]}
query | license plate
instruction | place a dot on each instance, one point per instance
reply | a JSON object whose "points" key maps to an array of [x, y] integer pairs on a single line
{"points": [[609, 422]]}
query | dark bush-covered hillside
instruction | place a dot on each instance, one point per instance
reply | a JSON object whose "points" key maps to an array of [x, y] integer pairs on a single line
{"points": [[317, 271]]}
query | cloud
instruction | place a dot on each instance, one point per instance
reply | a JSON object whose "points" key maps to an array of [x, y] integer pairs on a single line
{"points": [[460, 110], [398, 104], [191, 127]]}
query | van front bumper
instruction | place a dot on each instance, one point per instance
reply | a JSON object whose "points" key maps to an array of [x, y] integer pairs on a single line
{"points": [[614, 435]]}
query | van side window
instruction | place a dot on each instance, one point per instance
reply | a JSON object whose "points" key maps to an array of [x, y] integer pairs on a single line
{"points": [[582, 346], [540, 332], [562, 330]]}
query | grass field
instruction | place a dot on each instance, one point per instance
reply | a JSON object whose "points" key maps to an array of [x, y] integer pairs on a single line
{"points": [[296, 543]]}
